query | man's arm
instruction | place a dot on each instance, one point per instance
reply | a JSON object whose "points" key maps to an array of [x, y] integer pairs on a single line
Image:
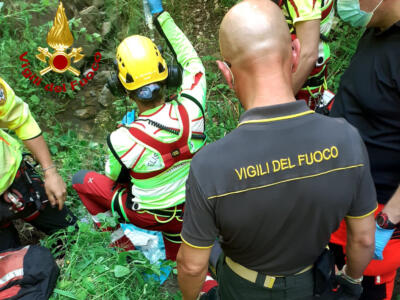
{"points": [[15, 115], [392, 208], [53, 183], [193, 73], [119, 144], [308, 34], [360, 244], [360, 218], [199, 232], [192, 266], [383, 235]]}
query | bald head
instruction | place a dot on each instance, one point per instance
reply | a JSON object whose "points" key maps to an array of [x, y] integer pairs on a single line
{"points": [[253, 30]]}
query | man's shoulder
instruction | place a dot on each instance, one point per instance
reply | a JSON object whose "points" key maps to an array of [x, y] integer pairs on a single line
{"points": [[120, 138], [337, 128], [336, 123], [330, 128], [215, 153], [301, 10], [338, 131]]}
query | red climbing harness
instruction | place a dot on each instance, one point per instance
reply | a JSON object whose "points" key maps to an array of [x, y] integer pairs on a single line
{"points": [[171, 153]]}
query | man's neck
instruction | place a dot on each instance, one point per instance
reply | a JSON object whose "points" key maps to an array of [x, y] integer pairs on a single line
{"points": [[389, 23], [144, 107], [389, 17], [263, 91]]}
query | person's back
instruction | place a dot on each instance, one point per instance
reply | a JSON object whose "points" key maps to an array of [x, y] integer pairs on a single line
{"points": [[281, 190], [273, 190], [152, 186]]}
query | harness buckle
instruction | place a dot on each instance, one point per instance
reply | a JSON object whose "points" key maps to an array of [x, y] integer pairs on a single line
{"points": [[175, 153]]}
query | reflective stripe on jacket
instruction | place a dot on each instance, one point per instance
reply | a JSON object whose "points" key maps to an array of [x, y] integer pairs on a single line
{"points": [[14, 115], [166, 189]]}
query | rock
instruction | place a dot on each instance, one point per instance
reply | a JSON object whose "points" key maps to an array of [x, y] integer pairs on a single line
{"points": [[106, 98], [85, 113], [98, 3], [101, 77], [74, 5], [89, 99], [90, 17], [85, 2], [106, 28], [104, 121]]}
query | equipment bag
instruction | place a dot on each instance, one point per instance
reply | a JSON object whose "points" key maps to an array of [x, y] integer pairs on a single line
{"points": [[324, 274], [28, 273], [25, 196]]}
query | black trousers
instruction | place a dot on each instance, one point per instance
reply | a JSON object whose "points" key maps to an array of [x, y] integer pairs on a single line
{"points": [[48, 220], [233, 287]]}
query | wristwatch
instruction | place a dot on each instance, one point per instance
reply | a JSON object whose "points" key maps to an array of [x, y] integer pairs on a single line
{"points": [[383, 221]]}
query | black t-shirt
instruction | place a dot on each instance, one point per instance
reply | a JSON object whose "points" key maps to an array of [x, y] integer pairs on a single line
{"points": [[369, 99], [275, 188]]}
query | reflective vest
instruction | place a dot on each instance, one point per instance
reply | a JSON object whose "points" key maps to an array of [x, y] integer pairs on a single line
{"points": [[14, 115], [171, 153]]}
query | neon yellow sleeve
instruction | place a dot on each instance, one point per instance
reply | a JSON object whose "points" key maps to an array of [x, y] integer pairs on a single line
{"points": [[112, 167], [304, 10], [193, 77], [15, 114]]}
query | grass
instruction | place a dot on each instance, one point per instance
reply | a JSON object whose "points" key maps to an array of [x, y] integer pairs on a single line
{"points": [[91, 270]]}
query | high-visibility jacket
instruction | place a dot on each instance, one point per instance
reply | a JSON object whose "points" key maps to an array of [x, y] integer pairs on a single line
{"points": [[158, 174], [306, 10], [14, 115]]}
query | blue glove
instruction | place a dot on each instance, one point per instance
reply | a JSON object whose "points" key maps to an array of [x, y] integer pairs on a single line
{"points": [[155, 6], [382, 237], [128, 118]]}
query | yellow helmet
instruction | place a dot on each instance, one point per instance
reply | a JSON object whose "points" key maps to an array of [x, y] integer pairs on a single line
{"points": [[140, 62]]}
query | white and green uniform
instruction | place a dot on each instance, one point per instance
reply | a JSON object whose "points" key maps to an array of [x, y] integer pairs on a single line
{"points": [[14, 115], [166, 189]]}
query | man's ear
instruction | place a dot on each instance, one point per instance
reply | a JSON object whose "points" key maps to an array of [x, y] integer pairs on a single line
{"points": [[295, 54], [226, 73]]}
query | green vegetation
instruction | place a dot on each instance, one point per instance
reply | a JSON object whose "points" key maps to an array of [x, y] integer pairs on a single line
{"points": [[91, 270]]}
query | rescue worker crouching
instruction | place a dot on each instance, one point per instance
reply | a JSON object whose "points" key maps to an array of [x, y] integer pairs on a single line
{"points": [[23, 194], [154, 152]]}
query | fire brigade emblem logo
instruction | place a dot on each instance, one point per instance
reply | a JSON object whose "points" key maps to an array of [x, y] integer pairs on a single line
{"points": [[60, 38], [3, 95]]}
